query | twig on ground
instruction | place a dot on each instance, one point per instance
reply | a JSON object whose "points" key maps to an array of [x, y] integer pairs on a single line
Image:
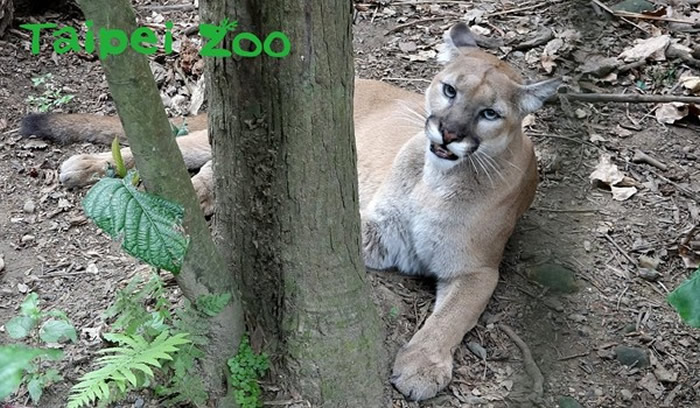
{"points": [[632, 98], [515, 10], [565, 210], [688, 193], [530, 366], [619, 248], [641, 157], [414, 22], [571, 139], [572, 356], [611, 11]]}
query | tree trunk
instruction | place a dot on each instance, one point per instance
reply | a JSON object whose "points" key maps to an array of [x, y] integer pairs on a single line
{"points": [[163, 170], [287, 199], [7, 10]]}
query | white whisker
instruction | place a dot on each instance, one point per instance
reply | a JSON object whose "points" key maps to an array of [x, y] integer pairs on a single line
{"points": [[493, 164], [481, 164]]}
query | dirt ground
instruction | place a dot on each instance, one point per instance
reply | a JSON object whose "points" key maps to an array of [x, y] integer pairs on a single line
{"points": [[574, 230]]}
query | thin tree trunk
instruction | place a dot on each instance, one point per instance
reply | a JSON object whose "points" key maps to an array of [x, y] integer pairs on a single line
{"points": [[287, 198], [163, 170]]}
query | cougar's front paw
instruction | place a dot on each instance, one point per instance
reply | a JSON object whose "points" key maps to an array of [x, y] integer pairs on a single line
{"points": [[420, 373], [81, 170]]}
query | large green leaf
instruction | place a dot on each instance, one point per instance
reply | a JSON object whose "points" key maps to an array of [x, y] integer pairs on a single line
{"points": [[57, 331], [149, 226], [686, 300], [14, 360], [19, 327]]}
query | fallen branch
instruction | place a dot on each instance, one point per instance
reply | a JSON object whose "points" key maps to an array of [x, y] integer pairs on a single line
{"points": [[629, 98], [641, 157], [530, 366]]}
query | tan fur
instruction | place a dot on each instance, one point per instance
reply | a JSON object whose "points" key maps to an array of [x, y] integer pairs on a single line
{"points": [[424, 214]]}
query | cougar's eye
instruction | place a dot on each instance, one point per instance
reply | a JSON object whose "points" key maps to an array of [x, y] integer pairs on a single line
{"points": [[449, 90], [490, 114]]}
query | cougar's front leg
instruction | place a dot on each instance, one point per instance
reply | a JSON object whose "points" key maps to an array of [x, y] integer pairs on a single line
{"points": [[424, 365]]}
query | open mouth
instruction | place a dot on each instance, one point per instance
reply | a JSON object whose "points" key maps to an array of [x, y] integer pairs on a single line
{"points": [[442, 152]]}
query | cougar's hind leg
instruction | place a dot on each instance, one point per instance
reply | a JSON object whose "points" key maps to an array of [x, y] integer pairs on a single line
{"points": [[84, 169]]}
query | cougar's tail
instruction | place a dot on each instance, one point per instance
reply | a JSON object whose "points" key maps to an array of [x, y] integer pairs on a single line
{"points": [[69, 128], [72, 128]]}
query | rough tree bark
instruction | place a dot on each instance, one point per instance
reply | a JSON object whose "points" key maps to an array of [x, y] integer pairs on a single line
{"points": [[287, 199], [163, 170]]}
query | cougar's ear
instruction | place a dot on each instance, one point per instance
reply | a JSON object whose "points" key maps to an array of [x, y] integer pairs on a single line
{"points": [[459, 35], [532, 96]]}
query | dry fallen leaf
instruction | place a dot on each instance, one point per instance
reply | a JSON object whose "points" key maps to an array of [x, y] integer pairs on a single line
{"points": [[649, 48], [549, 55], [607, 174], [691, 83], [669, 113]]}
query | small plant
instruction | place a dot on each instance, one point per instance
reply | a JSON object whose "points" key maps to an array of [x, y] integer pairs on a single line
{"points": [[246, 368], [52, 96], [23, 362], [17, 365], [127, 366], [686, 300], [145, 326]]}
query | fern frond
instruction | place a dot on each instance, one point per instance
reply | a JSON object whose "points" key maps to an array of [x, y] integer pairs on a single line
{"points": [[118, 368]]}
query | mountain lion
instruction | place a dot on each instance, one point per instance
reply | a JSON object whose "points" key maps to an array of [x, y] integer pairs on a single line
{"points": [[443, 179]]}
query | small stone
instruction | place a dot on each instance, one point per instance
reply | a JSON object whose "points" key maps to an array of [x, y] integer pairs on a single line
{"points": [[568, 402], [651, 275], [556, 277], [629, 328], [27, 238], [587, 245], [626, 394], [91, 268], [22, 288], [580, 113], [578, 318], [2, 263], [648, 262], [631, 356], [29, 207], [477, 349], [138, 403]]}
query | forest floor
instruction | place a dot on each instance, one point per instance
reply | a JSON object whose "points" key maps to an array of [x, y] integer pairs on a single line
{"points": [[586, 275]]}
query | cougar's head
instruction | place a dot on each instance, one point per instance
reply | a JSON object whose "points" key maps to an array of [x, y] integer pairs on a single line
{"points": [[476, 104]]}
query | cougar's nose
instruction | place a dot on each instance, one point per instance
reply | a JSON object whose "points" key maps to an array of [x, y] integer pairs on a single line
{"points": [[447, 136]]}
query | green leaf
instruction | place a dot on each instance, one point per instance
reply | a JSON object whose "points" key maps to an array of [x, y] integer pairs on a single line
{"points": [[14, 360], [118, 367], [150, 227], [19, 327], [686, 300], [212, 305], [30, 306], [35, 388], [57, 331]]}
